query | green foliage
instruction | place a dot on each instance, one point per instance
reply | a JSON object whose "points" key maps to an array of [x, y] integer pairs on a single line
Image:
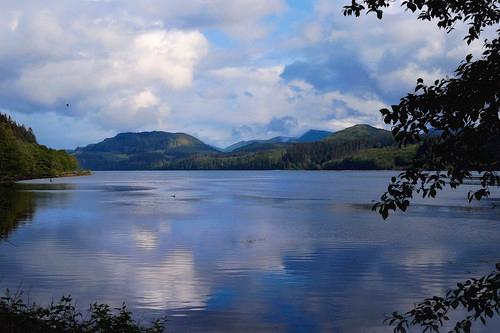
{"points": [[480, 298], [140, 151], [261, 146], [264, 160], [340, 145], [129, 151], [19, 131], [21, 157], [477, 13], [464, 109], [62, 317], [313, 136], [385, 158]]}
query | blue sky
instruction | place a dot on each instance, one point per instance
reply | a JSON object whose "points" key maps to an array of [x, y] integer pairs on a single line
{"points": [[222, 70]]}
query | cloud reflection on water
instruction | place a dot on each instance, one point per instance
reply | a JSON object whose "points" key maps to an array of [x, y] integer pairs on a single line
{"points": [[245, 259]]}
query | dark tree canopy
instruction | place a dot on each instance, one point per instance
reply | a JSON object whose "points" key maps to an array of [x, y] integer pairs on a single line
{"points": [[479, 297], [477, 13], [21, 157], [461, 112], [458, 119]]}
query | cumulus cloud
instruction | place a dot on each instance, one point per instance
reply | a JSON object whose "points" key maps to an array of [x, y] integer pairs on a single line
{"points": [[109, 71], [277, 106], [218, 69], [406, 77], [117, 64], [360, 54], [110, 62]]}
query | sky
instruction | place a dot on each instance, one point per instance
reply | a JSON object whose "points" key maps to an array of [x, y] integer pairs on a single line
{"points": [[80, 71]]}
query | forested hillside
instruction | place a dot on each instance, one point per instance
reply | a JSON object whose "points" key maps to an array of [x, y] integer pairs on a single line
{"points": [[21, 157], [140, 151], [358, 147]]}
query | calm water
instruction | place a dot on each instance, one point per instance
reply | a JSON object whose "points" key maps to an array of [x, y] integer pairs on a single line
{"points": [[219, 251]]}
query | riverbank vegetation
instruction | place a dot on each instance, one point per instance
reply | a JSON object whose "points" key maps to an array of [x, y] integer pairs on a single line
{"points": [[16, 316], [21, 157]]}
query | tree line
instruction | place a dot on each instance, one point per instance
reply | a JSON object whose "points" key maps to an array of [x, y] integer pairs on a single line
{"points": [[21, 157]]}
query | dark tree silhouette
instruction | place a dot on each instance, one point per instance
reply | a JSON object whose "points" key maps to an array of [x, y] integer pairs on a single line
{"points": [[480, 297], [463, 113], [16, 316], [463, 110]]}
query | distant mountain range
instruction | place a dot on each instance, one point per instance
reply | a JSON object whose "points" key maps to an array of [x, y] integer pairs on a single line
{"points": [[309, 136], [357, 147]]}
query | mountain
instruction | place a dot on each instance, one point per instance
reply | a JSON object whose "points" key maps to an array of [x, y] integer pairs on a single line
{"points": [[21, 157], [313, 136], [309, 136], [261, 146], [367, 134], [145, 150], [337, 146], [256, 144], [237, 145], [360, 147], [356, 147]]}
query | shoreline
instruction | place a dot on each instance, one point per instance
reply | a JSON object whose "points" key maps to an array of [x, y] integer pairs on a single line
{"points": [[77, 173]]}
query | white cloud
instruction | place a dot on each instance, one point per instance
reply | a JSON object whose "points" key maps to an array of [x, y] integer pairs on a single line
{"points": [[108, 70], [399, 44], [239, 18], [406, 78], [223, 102], [118, 65], [167, 58], [205, 67], [266, 74]]}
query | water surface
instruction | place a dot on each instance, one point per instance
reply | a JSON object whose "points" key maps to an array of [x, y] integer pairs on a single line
{"points": [[271, 251]]}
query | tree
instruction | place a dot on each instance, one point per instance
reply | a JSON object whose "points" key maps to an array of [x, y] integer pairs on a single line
{"points": [[463, 109], [462, 113], [480, 297]]}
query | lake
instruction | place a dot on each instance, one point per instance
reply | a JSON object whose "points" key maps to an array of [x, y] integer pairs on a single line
{"points": [[233, 251]]}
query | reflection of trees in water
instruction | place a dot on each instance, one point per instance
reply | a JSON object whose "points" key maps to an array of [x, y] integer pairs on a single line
{"points": [[16, 207], [18, 203]]}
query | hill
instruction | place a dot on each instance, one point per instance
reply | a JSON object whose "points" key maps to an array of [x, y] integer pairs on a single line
{"points": [[337, 146], [313, 136], [363, 133], [277, 142], [357, 147], [21, 157], [258, 144], [145, 150]]}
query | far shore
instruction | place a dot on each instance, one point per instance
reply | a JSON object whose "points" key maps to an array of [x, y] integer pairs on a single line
{"points": [[77, 173]]}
